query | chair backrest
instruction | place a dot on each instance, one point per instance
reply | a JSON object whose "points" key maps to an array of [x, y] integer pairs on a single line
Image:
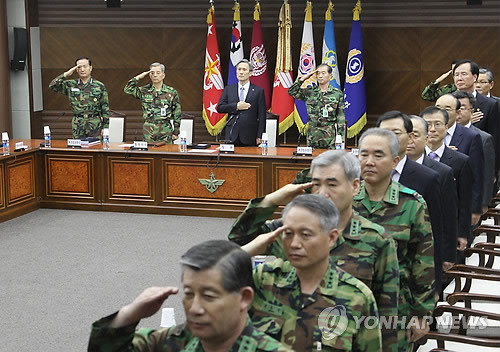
{"points": [[116, 129], [187, 127], [271, 129]]}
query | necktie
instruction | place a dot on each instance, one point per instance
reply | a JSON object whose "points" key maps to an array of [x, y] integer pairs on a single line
{"points": [[433, 155], [242, 94]]}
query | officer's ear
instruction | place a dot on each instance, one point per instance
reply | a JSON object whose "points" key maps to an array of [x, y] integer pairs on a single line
{"points": [[246, 294]]}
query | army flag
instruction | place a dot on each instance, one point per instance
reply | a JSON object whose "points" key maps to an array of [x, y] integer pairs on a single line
{"points": [[354, 88], [282, 104], [213, 85], [236, 51], [329, 47], [258, 58], [307, 64]]}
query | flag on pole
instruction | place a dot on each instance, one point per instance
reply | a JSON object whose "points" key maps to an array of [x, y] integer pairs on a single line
{"points": [[213, 85], [236, 52], [260, 74], [354, 88], [329, 47], [307, 64], [282, 103]]}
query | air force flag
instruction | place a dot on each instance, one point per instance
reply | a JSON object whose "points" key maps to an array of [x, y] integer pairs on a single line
{"points": [[354, 88], [329, 48]]}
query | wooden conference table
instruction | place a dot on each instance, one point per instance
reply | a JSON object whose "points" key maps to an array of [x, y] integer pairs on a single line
{"points": [[161, 180]]}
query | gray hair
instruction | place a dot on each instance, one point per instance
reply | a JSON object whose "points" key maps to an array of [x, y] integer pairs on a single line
{"points": [[234, 263], [350, 164], [324, 208], [250, 66], [156, 64], [422, 121], [488, 73], [391, 137]]}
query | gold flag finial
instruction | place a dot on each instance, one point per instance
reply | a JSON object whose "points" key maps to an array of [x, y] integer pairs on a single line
{"points": [[236, 9], [329, 10], [256, 11], [356, 11], [210, 16], [308, 11]]}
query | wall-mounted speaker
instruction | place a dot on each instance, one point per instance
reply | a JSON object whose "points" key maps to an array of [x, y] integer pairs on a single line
{"points": [[20, 48], [113, 3]]}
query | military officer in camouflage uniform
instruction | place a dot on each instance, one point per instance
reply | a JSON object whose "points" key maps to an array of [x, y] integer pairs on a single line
{"points": [[403, 213], [325, 106], [88, 99], [160, 104], [362, 249], [217, 280], [296, 299], [433, 91]]}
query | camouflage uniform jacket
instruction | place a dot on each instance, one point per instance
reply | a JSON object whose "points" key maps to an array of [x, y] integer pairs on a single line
{"points": [[177, 338], [89, 103], [282, 311], [403, 213], [157, 127], [363, 250], [433, 91], [321, 131]]}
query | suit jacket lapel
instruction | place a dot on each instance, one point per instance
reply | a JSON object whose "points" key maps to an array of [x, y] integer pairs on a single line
{"points": [[456, 140], [251, 92]]}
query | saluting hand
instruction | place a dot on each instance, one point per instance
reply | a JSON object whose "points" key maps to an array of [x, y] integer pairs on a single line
{"points": [[142, 75], [306, 77], [259, 244], [71, 71], [144, 306], [284, 195]]}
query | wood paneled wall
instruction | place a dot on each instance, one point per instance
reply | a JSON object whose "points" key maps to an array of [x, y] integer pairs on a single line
{"points": [[401, 57]]}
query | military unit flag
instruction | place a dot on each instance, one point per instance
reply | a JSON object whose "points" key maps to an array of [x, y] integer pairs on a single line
{"points": [[213, 84], [354, 88], [236, 51], [258, 58], [307, 64], [329, 47], [282, 104]]}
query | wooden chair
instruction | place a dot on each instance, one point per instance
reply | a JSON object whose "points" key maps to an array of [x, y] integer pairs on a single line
{"points": [[457, 339]]}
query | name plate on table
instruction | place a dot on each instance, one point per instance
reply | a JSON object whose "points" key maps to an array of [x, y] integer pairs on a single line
{"points": [[304, 151], [226, 148], [20, 147], [74, 143], [140, 145]]}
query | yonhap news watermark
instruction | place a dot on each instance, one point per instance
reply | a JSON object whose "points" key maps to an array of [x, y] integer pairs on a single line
{"points": [[333, 321]]}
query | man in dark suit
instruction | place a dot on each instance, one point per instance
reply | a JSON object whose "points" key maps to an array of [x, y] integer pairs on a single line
{"points": [[485, 83], [437, 120], [417, 177], [469, 143], [245, 103], [486, 110], [448, 192], [464, 116]]}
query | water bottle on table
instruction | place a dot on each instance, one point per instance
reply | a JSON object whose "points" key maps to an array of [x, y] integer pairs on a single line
{"points": [[5, 143], [46, 137], [264, 143]]}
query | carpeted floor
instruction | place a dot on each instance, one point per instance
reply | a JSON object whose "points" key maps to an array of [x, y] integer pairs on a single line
{"points": [[61, 270]]}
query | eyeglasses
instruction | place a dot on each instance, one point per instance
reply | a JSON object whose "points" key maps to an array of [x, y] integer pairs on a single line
{"points": [[463, 108], [436, 124]]}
